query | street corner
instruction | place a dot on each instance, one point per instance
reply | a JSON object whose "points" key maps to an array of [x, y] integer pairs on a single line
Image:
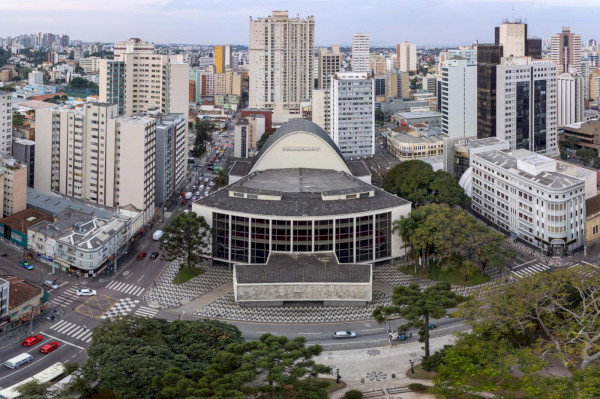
{"points": [[96, 306]]}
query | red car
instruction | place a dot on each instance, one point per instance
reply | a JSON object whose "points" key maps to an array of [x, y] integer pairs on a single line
{"points": [[30, 341], [49, 347], [141, 255]]}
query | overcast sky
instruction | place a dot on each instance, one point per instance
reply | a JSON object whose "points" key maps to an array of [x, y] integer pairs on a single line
{"points": [[425, 22]]}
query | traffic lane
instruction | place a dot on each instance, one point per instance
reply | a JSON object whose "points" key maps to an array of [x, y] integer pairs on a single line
{"points": [[66, 352]]}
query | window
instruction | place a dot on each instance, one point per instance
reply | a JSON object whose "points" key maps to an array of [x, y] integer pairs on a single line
{"points": [[595, 230]]}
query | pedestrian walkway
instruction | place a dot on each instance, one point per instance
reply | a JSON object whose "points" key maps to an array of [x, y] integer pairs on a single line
{"points": [[126, 288], [145, 311], [72, 330], [64, 298], [586, 270], [122, 308], [530, 270]]}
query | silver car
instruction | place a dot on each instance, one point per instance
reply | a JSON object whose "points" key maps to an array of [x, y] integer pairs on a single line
{"points": [[344, 334]]}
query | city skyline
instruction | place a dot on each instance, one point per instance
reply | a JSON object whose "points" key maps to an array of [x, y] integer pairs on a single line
{"points": [[439, 22]]}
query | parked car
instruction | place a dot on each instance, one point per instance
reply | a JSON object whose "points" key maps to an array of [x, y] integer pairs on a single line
{"points": [[49, 347], [30, 341], [86, 292], [344, 334], [431, 325], [403, 336], [25, 265], [51, 284], [141, 256], [154, 255]]}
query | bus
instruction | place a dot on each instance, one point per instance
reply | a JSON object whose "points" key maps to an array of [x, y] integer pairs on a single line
{"points": [[50, 374]]}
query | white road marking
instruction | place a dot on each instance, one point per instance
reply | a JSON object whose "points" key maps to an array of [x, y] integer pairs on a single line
{"points": [[373, 329], [66, 342], [300, 333]]}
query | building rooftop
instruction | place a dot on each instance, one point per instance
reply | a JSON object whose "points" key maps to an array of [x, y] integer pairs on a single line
{"points": [[484, 142], [20, 291], [35, 104], [419, 115], [302, 268], [301, 193], [22, 221], [592, 206], [509, 162], [53, 205], [358, 168]]}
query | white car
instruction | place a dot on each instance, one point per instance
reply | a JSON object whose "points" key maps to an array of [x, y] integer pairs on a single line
{"points": [[86, 292], [344, 334]]}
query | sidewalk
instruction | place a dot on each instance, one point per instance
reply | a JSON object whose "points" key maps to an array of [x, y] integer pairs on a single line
{"points": [[375, 367], [211, 296]]}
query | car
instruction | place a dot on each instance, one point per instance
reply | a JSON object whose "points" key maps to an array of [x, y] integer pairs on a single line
{"points": [[86, 292], [142, 255], [186, 211], [25, 265], [51, 284], [431, 325], [30, 341], [154, 255], [344, 334], [49, 347]]}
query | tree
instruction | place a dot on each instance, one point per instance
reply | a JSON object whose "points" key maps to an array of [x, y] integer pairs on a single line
{"points": [[379, 115], [128, 353], [263, 140], [17, 120], [570, 142], [221, 179], [273, 367], [204, 128], [596, 162], [418, 307], [186, 238], [445, 190], [586, 155], [33, 388]]}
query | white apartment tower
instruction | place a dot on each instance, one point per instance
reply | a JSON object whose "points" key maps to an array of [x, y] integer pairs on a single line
{"points": [[92, 154], [406, 57], [526, 106], [570, 88], [5, 123], [133, 45], [360, 52], [459, 98], [566, 50], [352, 107], [35, 78], [281, 53]]}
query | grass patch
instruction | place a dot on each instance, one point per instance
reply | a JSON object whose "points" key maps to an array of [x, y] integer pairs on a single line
{"points": [[186, 275], [421, 374], [332, 385], [451, 277]]}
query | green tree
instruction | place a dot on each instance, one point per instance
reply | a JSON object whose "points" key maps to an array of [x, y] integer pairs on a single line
{"points": [[273, 367], [33, 388], [17, 120], [571, 142], [221, 179], [187, 237], [418, 307], [379, 115], [410, 180], [263, 140], [586, 155], [204, 129], [445, 190], [128, 353]]}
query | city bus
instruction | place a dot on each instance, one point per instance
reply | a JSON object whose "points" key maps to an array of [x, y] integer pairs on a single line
{"points": [[50, 374]]}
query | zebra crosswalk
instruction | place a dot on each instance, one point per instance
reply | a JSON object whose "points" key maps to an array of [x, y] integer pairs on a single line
{"points": [[586, 270], [126, 288], [73, 330], [64, 298], [530, 270], [145, 311]]}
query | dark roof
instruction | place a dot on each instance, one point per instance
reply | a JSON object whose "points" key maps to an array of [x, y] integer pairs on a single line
{"points": [[23, 220], [20, 291], [592, 205], [358, 168], [240, 168], [293, 126], [300, 191], [303, 268]]}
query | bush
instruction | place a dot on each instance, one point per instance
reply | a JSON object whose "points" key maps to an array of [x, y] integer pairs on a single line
{"points": [[353, 394], [432, 362], [418, 387]]}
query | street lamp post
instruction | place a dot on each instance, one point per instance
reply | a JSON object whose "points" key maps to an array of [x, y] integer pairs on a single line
{"points": [[412, 366]]}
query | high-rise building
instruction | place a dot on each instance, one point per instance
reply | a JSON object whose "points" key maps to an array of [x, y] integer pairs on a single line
{"points": [[566, 50], [330, 63], [5, 122], [24, 152], [406, 57], [430, 84], [91, 65], [281, 53], [360, 52], [459, 98], [321, 109], [170, 156], [248, 132], [352, 105], [92, 154], [35, 78], [512, 36], [399, 83], [526, 113], [377, 64], [222, 58], [228, 82], [15, 186], [468, 54], [139, 80], [570, 87]]}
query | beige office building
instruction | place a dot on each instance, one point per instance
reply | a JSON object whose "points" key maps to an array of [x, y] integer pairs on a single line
{"points": [[512, 36], [281, 53], [229, 82], [566, 50], [91, 153], [329, 64], [91, 65], [406, 57], [14, 191]]}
